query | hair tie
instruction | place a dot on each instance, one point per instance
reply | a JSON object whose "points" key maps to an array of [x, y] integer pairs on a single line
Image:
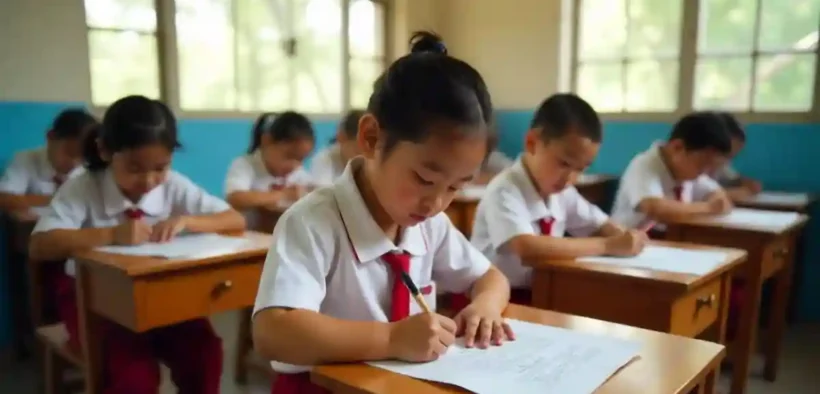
{"points": [[441, 47]]}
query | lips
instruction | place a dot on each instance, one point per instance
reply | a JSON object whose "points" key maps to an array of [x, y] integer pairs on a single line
{"points": [[418, 218]]}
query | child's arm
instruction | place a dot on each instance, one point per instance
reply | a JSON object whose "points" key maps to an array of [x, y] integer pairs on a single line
{"points": [[533, 247], [667, 210], [492, 289], [242, 200], [59, 244], [13, 186], [222, 222], [202, 212], [18, 202]]}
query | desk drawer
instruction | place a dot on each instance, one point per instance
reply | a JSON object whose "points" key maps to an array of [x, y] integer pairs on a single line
{"points": [[775, 256], [697, 310], [168, 299]]}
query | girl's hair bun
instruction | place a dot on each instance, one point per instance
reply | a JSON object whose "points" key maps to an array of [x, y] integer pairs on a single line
{"points": [[425, 41]]}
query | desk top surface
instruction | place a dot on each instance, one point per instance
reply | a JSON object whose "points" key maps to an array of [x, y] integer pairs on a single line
{"points": [[256, 247], [798, 202], [667, 362], [683, 280]]}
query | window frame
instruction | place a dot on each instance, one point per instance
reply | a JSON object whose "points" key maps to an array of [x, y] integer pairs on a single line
{"points": [[687, 61], [169, 81]]}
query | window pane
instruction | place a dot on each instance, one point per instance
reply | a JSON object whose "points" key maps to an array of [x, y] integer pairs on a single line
{"points": [[789, 24], [654, 28], [121, 14], [363, 72], [602, 29], [318, 61], [205, 48], [366, 29], [263, 67], [602, 85], [727, 25], [122, 64], [784, 83], [652, 86], [723, 83]]}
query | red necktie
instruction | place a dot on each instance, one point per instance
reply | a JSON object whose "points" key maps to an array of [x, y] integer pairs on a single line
{"points": [[678, 190], [546, 225], [400, 302], [134, 213]]}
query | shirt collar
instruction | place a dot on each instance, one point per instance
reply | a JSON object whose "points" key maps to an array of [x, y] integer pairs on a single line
{"points": [[152, 203], [536, 205], [656, 156], [368, 240]]}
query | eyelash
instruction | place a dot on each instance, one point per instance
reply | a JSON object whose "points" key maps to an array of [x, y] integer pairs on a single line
{"points": [[422, 180]]}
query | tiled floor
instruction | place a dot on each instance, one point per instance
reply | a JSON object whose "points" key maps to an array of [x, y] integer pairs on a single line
{"points": [[799, 372]]}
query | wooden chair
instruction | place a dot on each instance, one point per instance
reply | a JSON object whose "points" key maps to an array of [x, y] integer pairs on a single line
{"points": [[57, 359]]}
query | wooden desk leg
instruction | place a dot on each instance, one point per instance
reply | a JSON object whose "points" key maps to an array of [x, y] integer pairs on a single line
{"points": [[89, 324], [777, 316], [745, 340], [244, 346], [717, 333]]}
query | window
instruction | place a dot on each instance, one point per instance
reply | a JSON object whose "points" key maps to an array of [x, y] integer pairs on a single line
{"points": [[122, 45], [627, 54], [366, 47], [757, 55]]}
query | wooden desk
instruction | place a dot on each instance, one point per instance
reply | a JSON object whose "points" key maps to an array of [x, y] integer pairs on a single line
{"points": [[18, 226], [595, 187], [462, 211], [771, 255], [668, 364], [677, 303], [142, 293], [799, 203]]}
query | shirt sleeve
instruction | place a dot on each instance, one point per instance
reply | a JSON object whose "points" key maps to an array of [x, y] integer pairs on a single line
{"points": [[190, 199], [68, 208], [17, 176], [639, 184], [703, 186], [506, 215], [456, 263], [296, 268], [583, 217], [239, 177]]}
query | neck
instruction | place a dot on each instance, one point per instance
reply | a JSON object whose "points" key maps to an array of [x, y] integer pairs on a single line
{"points": [[363, 177], [526, 161], [667, 161]]}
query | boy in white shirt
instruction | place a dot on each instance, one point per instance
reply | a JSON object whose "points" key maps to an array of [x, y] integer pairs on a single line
{"points": [[671, 179], [328, 164], [526, 209], [737, 186]]}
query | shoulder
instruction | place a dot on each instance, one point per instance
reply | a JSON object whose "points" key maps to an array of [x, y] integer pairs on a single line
{"points": [[316, 211], [28, 158], [82, 187], [502, 186], [244, 162]]}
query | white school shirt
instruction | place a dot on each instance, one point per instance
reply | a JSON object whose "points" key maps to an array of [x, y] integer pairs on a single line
{"points": [[327, 165], [496, 162], [248, 173], [326, 257], [30, 172], [647, 176], [93, 200], [511, 206]]}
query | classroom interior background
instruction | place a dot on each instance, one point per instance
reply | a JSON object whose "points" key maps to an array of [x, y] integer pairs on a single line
{"points": [[219, 63]]}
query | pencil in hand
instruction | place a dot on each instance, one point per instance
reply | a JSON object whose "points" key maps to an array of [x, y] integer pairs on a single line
{"points": [[414, 291]]}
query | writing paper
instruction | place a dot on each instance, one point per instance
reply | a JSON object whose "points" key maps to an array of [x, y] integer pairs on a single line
{"points": [[663, 258], [780, 198], [542, 359], [758, 219], [186, 246]]}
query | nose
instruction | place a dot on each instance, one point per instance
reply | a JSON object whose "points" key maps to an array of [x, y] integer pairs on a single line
{"points": [[433, 203]]}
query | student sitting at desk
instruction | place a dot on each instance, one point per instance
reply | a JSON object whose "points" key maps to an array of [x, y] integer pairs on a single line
{"points": [[333, 277], [33, 176], [271, 175], [128, 196], [328, 164], [737, 186], [671, 179], [527, 208]]}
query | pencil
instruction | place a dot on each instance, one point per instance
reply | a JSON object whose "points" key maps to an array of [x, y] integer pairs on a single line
{"points": [[414, 291], [647, 227]]}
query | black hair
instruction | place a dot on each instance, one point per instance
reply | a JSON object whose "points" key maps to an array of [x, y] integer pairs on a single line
{"points": [[129, 123], [425, 87], [71, 123], [733, 126], [563, 113], [350, 123], [703, 130], [287, 126]]}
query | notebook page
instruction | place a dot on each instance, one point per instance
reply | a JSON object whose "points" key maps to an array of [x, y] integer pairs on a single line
{"points": [[758, 219], [663, 258], [542, 359], [186, 246]]}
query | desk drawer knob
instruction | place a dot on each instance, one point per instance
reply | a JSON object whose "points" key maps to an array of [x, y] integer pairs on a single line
{"points": [[705, 302], [222, 287]]}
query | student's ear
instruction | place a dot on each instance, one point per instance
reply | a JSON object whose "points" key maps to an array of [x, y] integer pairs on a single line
{"points": [[369, 135], [50, 134], [104, 153], [531, 139], [676, 145]]}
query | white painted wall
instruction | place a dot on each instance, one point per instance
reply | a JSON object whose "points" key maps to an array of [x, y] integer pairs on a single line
{"points": [[43, 51]]}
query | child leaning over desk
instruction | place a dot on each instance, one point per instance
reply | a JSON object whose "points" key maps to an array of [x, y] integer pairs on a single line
{"points": [[331, 288], [129, 196]]}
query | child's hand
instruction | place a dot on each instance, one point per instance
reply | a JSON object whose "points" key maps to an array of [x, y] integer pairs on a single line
{"points": [[421, 337], [719, 203], [628, 243], [482, 325], [132, 232], [167, 229]]}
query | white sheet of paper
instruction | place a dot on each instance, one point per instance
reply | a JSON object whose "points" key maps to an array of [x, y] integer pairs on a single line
{"points": [[758, 219], [472, 191], [780, 198], [186, 246], [663, 258], [542, 359]]}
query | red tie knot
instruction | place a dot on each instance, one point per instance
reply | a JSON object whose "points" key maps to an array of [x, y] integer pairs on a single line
{"points": [[134, 213]]}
